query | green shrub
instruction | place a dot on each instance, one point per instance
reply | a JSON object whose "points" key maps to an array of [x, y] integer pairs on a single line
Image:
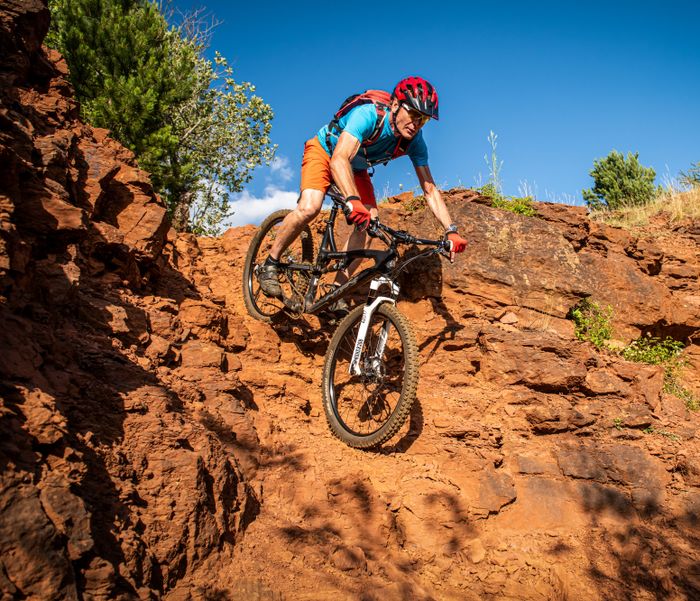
{"points": [[674, 387], [653, 351], [666, 433], [592, 323], [619, 182], [522, 206], [417, 203], [668, 354], [198, 132]]}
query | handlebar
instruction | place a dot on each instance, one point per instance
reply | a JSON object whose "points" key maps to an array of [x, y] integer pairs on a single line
{"points": [[376, 229]]}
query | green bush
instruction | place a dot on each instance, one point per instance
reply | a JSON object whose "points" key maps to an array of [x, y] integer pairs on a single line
{"points": [[592, 323], [197, 131], [417, 203], [668, 354], [653, 351], [522, 206], [620, 182]]}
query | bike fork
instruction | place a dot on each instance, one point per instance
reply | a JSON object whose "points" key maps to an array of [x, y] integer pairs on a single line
{"points": [[367, 313]]}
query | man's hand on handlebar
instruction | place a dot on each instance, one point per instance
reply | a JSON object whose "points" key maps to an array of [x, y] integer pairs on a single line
{"points": [[356, 213], [457, 244]]}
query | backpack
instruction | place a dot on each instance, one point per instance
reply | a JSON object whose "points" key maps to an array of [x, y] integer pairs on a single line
{"points": [[381, 101]]}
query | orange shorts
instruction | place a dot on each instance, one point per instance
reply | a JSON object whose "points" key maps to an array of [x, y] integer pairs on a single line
{"points": [[316, 173]]}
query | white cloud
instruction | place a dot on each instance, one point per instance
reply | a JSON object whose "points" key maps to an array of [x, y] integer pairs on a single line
{"points": [[250, 209], [280, 167]]}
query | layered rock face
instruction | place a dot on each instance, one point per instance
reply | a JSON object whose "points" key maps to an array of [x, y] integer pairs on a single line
{"points": [[112, 486], [533, 467], [156, 442]]}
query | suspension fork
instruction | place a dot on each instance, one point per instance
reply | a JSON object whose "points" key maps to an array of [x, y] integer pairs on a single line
{"points": [[370, 307]]}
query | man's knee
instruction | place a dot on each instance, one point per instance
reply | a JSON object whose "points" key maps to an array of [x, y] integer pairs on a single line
{"points": [[309, 204], [308, 212]]}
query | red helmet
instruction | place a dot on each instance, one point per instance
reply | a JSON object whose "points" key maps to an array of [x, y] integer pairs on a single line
{"points": [[419, 95]]}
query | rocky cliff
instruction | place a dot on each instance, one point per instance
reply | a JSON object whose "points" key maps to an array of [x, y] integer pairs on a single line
{"points": [[158, 443]]}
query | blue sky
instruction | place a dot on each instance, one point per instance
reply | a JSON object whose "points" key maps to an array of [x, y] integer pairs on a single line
{"points": [[560, 83]]}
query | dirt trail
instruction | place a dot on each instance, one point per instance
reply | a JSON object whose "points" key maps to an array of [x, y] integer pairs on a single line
{"points": [[496, 490]]}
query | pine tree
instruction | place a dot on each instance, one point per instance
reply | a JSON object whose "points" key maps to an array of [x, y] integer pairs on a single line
{"points": [[620, 182], [192, 127], [122, 68]]}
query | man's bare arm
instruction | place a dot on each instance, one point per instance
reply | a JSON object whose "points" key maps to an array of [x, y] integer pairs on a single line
{"points": [[341, 169], [433, 196]]}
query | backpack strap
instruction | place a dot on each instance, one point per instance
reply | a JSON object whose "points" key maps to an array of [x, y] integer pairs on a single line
{"points": [[380, 101], [401, 147]]}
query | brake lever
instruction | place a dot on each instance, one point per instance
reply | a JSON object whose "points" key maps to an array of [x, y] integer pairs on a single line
{"points": [[372, 229], [444, 249]]}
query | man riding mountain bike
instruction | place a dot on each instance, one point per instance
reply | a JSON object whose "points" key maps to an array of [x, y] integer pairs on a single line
{"points": [[370, 128]]}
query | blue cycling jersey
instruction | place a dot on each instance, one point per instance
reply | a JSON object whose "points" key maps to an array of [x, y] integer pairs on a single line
{"points": [[360, 123]]}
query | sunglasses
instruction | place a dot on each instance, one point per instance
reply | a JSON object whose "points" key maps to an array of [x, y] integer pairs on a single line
{"points": [[415, 116]]}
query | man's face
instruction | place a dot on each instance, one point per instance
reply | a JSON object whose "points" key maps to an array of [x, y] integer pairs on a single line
{"points": [[408, 121]]}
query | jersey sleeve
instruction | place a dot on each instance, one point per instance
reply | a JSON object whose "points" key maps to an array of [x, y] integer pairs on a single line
{"points": [[360, 121], [418, 151]]}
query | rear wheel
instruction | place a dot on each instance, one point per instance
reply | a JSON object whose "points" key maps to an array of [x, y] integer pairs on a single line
{"points": [[365, 410], [293, 283]]}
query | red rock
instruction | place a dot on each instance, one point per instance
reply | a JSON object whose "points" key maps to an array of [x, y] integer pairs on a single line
{"points": [[535, 465], [347, 559], [204, 319], [496, 490], [582, 462], [67, 511], [509, 318], [603, 382], [476, 553], [197, 354], [25, 529], [46, 209], [20, 357], [637, 416], [160, 320], [43, 421], [159, 350]]}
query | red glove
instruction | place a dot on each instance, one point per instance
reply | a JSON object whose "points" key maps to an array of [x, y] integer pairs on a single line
{"points": [[458, 243], [357, 213]]}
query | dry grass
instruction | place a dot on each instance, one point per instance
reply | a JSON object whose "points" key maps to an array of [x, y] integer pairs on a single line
{"points": [[676, 204]]}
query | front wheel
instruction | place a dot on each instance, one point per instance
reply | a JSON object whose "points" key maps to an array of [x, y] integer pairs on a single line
{"points": [[365, 410], [293, 283]]}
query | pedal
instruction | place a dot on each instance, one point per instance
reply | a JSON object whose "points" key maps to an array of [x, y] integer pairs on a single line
{"points": [[294, 306], [329, 318]]}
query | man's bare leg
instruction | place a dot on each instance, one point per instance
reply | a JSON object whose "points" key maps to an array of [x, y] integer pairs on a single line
{"points": [[307, 208]]}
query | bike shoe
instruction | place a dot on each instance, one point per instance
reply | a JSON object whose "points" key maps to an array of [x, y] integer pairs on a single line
{"points": [[268, 278], [339, 307]]}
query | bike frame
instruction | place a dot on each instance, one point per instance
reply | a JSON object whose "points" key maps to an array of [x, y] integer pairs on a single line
{"points": [[379, 273], [328, 251]]}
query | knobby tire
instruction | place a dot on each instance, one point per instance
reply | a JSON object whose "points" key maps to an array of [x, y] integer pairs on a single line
{"points": [[401, 374]]}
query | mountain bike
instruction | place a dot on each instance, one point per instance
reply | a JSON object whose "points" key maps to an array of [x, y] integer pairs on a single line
{"points": [[370, 372]]}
